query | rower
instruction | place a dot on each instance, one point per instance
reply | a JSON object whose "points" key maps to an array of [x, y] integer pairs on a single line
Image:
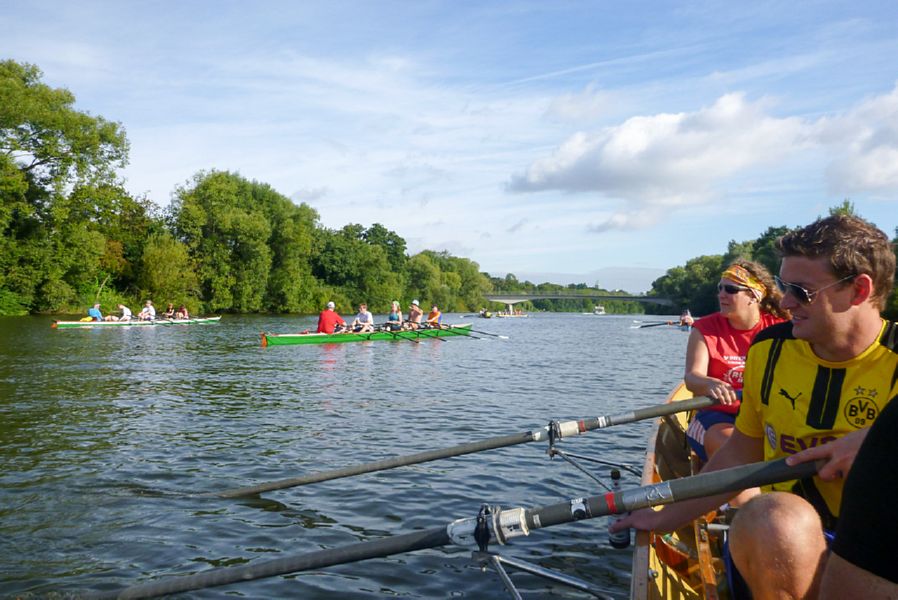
{"points": [[414, 316], [435, 317], [364, 321]]}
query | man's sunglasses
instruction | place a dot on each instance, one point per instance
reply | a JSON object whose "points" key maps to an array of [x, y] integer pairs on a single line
{"points": [[801, 294], [731, 289]]}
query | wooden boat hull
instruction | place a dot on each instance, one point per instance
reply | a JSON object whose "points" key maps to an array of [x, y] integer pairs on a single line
{"points": [[156, 323], [292, 339], [684, 564]]}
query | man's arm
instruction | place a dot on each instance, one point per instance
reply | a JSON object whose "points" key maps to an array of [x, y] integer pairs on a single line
{"points": [[740, 449]]}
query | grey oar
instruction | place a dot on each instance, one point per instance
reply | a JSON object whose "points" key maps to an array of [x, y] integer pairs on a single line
{"points": [[565, 429], [501, 525]]}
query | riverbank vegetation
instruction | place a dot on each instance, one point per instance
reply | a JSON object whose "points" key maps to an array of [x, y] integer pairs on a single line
{"points": [[71, 235]]}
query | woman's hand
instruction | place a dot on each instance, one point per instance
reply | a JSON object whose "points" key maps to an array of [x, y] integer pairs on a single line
{"points": [[722, 392]]}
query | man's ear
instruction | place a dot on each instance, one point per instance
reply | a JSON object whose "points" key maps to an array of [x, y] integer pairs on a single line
{"points": [[863, 289]]}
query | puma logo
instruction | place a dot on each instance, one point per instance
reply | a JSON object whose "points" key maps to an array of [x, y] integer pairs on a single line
{"points": [[792, 400]]}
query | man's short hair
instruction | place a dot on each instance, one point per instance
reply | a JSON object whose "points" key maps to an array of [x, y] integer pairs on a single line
{"points": [[852, 245]]}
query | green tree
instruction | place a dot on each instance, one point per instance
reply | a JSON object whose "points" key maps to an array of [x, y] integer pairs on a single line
{"points": [[393, 245], [167, 272], [692, 286], [51, 253], [50, 140], [227, 236]]}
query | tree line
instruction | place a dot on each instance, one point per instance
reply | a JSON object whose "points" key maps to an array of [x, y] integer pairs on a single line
{"points": [[71, 235]]}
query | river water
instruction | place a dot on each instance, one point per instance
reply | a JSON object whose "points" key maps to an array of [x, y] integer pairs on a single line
{"points": [[109, 436]]}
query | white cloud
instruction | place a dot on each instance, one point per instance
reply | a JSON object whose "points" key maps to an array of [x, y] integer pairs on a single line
{"points": [[656, 162], [864, 147]]}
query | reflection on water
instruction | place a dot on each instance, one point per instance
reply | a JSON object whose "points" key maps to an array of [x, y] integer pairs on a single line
{"points": [[110, 437]]}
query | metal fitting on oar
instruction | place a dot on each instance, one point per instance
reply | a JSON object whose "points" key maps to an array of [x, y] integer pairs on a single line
{"points": [[500, 525], [554, 428]]}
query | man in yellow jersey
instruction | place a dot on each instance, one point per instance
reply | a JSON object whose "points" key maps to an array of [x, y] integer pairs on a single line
{"points": [[813, 386]]}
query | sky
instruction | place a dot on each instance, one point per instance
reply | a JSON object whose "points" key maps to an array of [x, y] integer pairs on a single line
{"points": [[568, 141]]}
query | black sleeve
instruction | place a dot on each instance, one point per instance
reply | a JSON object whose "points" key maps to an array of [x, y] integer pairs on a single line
{"points": [[868, 527]]}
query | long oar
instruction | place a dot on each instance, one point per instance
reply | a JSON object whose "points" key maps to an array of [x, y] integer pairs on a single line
{"points": [[504, 337], [656, 324], [564, 429], [499, 524], [398, 334]]}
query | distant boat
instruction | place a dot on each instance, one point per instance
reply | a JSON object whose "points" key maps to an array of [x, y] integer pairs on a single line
{"points": [[598, 310], [412, 335], [132, 323]]}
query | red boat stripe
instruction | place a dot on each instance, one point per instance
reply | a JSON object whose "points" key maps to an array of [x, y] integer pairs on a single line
{"points": [[582, 426]]}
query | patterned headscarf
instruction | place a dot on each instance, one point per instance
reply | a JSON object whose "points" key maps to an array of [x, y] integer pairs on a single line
{"points": [[742, 276]]}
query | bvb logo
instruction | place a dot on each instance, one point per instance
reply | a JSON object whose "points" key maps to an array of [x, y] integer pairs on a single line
{"points": [[861, 412]]}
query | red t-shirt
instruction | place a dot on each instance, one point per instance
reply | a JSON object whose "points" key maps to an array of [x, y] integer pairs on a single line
{"points": [[727, 348], [327, 320]]}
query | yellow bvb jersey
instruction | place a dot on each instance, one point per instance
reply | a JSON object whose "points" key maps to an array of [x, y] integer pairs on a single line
{"points": [[795, 400]]}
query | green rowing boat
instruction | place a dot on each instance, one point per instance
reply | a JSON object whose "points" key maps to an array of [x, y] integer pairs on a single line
{"points": [[292, 339], [155, 323]]}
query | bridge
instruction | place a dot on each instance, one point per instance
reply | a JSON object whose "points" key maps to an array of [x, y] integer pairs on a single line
{"points": [[510, 299]]}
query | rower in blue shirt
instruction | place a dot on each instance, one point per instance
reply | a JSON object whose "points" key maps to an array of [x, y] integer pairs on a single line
{"points": [[95, 312]]}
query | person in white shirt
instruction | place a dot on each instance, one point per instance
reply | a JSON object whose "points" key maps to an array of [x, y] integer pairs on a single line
{"points": [[364, 321], [148, 313]]}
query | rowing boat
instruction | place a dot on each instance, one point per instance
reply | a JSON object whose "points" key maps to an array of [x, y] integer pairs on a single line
{"points": [[684, 564], [154, 323], [292, 339]]}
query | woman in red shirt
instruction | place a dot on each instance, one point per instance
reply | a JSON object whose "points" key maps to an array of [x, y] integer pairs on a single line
{"points": [[718, 344]]}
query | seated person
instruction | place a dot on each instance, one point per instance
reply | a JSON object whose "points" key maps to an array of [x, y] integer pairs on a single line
{"points": [[329, 321], [182, 313], [95, 313], [394, 319], [148, 312], [414, 316], [435, 317], [126, 314], [715, 353], [169, 312], [364, 321]]}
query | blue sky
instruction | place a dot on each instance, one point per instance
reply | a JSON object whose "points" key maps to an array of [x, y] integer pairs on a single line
{"points": [[608, 141]]}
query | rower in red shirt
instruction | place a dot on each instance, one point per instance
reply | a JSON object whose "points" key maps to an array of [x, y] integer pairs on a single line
{"points": [[329, 319]]}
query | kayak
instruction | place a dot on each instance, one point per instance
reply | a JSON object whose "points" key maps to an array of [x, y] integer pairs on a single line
{"points": [[95, 324], [685, 563], [292, 339]]}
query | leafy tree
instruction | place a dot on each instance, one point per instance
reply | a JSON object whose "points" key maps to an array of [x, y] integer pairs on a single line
{"points": [[53, 247], [167, 272], [227, 236], [50, 140], [692, 286], [393, 245]]}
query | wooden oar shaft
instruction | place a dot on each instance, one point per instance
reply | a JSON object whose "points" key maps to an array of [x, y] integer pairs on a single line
{"points": [[565, 429], [504, 524]]}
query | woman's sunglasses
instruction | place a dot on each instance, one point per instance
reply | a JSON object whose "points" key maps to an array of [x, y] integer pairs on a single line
{"points": [[731, 289], [801, 294]]}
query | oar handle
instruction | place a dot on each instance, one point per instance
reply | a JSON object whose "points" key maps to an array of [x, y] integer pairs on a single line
{"points": [[651, 412]]}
